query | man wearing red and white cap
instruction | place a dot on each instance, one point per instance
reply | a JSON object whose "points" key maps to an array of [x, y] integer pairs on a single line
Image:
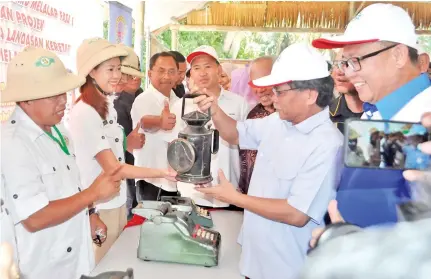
{"points": [[380, 58], [296, 166], [205, 71]]}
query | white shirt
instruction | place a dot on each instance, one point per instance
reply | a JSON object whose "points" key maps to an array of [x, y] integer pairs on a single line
{"points": [[37, 171], [154, 152], [91, 135], [227, 158], [299, 163], [7, 227]]}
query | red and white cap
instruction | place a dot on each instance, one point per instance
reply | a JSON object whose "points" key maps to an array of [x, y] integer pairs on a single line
{"points": [[296, 62], [377, 22], [203, 50]]}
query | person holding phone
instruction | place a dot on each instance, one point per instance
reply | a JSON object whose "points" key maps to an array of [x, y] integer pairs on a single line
{"points": [[381, 36], [43, 194], [99, 140]]}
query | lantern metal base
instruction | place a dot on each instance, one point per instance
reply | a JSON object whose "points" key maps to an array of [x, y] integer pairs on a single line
{"points": [[194, 179]]}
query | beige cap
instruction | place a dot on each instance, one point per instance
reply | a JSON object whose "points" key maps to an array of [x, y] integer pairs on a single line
{"points": [[130, 63], [94, 51], [37, 73]]}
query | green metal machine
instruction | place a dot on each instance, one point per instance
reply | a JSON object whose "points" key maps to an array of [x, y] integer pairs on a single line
{"points": [[170, 234]]}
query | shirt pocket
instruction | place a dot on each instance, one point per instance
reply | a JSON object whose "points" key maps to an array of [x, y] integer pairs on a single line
{"points": [[51, 179], [65, 254]]}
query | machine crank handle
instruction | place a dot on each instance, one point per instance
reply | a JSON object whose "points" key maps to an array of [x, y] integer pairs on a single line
{"points": [[216, 141]]}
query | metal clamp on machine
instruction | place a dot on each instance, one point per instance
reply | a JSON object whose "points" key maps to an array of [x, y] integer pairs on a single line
{"points": [[170, 233]]}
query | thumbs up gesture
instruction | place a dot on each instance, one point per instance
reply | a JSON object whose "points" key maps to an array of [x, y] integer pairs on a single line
{"points": [[135, 140], [168, 119]]}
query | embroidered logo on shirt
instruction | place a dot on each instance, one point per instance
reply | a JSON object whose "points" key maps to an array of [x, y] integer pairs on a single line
{"points": [[44, 61]]}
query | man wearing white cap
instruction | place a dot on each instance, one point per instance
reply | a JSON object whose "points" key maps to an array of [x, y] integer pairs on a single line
{"points": [[296, 167], [43, 193], [205, 72], [380, 58]]}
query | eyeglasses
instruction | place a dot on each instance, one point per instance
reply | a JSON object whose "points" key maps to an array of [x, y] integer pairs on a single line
{"points": [[162, 72], [127, 77], [354, 63], [282, 91]]}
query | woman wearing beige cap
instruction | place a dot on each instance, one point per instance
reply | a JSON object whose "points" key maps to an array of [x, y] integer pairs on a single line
{"points": [[42, 191], [98, 138]]}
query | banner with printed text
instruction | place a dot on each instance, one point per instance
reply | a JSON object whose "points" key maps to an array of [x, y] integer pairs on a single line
{"points": [[120, 24], [51, 25]]}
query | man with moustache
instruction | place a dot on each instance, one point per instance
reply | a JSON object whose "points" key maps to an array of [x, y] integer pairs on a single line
{"points": [[179, 88], [348, 104], [380, 58], [151, 110], [129, 88], [259, 67]]}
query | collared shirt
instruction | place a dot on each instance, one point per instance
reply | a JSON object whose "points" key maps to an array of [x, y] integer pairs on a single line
{"points": [[227, 158], [91, 134], [153, 154], [179, 90], [339, 112], [248, 157], [37, 171], [298, 163], [367, 196]]}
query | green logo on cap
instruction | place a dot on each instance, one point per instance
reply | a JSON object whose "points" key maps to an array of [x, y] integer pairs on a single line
{"points": [[44, 61]]}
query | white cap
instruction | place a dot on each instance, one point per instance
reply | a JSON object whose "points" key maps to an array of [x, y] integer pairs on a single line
{"points": [[296, 62], [377, 22], [203, 50]]}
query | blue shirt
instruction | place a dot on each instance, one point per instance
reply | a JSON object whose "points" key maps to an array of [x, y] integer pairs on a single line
{"points": [[297, 163], [368, 196]]}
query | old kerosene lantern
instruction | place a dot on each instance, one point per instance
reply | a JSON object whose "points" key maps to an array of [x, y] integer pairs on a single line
{"points": [[190, 154]]}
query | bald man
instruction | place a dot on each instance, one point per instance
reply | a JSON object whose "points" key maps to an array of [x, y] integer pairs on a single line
{"points": [[348, 104], [259, 67]]}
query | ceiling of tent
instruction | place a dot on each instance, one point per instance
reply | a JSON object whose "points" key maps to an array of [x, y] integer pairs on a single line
{"points": [[159, 13]]}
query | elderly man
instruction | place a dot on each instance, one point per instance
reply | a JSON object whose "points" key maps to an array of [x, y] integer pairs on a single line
{"points": [[259, 67], [295, 169], [52, 216], [348, 104], [380, 58], [205, 72]]}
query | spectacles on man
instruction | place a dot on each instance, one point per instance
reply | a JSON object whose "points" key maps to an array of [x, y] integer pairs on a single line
{"points": [[278, 92], [354, 63]]}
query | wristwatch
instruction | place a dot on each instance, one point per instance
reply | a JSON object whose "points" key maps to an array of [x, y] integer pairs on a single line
{"points": [[93, 210]]}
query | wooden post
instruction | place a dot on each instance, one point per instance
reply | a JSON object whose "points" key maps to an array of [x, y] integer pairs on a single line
{"points": [[174, 38], [139, 29]]}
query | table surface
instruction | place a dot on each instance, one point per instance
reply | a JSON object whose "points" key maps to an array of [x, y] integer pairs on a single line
{"points": [[123, 254]]}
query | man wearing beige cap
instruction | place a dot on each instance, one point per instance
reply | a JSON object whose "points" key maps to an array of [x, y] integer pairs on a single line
{"points": [[296, 167], [48, 205], [128, 89], [380, 58]]}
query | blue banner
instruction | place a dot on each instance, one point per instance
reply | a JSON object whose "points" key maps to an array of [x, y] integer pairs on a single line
{"points": [[120, 24]]}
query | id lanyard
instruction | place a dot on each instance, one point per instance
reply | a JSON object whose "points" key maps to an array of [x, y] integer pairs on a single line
{"points": [[61, 142]]}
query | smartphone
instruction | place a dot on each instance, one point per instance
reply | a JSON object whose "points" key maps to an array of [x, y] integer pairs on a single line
{"points": [[382, 144]]}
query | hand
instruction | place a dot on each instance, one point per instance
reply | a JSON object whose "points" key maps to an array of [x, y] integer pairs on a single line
{"points": [[135, 140], [8, 268], [168, 119], [107, 185], [204, 102], [224, 192], [421, 176], [97, 225], [335, 217], [169, 174]]}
